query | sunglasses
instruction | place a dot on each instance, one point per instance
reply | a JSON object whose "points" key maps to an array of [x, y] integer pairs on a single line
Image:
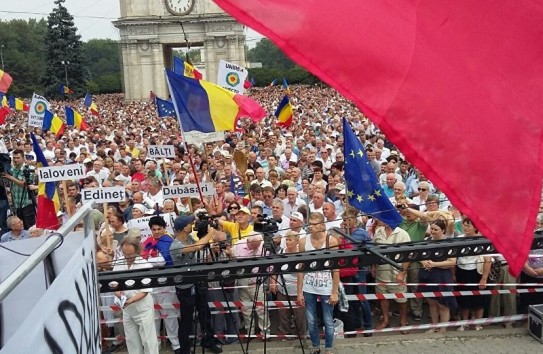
{"points": [[233, 208], [423, 189]]}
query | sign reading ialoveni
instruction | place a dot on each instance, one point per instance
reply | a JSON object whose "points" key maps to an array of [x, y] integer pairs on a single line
{"points": [[156, 151], [188, 190], [61, 173], [103, 195]]}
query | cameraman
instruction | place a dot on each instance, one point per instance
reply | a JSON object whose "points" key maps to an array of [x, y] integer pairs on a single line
{"points": [[239, 229], [21, 179], [184, 250]]}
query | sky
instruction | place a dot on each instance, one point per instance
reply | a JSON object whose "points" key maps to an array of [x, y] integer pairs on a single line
{"points": [[92, 17]]}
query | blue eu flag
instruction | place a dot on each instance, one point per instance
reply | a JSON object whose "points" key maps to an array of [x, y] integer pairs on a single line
{"points": [[164, 108], [363, 190]]}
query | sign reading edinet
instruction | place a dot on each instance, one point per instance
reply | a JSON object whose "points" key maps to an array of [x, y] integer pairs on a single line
{"points": [[103, 195], [61, 173]]}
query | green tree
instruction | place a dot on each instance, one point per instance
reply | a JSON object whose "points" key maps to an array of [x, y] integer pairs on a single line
{"points": [[269, 55], [63, 54], [22, 44], [104, 58]]}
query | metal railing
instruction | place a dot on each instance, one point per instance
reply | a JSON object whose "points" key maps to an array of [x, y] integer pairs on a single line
{"points": [[49, 245]]}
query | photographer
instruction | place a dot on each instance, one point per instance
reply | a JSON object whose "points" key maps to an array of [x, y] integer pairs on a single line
{"points": [[21, 179], [184, 250]]}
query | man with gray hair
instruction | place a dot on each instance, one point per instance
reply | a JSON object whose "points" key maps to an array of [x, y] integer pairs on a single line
{"points": [[278, 214], [154, 196], [292, 203]]}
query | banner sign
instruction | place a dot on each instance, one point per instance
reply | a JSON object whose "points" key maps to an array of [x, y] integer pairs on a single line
{"points": [[188, 190], [231, 77], [196, 137], [66, 318], [38, 106], [103, 195], [143, 225], [156, 151], [61, 173]]}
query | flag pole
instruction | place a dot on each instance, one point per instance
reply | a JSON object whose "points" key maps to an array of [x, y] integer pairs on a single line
{"points": [[106, 226], [65, 197], [186, 144], [165, 171]]}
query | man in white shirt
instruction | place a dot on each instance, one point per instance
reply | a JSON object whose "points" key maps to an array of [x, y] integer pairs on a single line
{"points": [[292, 203], [330, 216], [154, 196], [98, 172], [260, 178]]}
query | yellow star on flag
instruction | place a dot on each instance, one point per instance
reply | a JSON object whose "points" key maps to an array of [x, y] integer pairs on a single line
{"points": [[371, 197], [350, 193], [360, 153], [359, 198], [352, 153], [377, 193]]}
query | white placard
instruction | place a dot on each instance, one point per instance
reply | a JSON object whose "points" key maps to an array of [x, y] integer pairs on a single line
{"points": [[188, 190], [196, 137], [156, 151], [143, 225], [65, 319], [38, 106], [231, 77], [61, 173], [103, 195]]}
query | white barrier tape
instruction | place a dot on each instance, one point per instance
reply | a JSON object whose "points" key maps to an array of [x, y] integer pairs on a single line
{"points": [[482, 321], [359, 297], [534, 285]]}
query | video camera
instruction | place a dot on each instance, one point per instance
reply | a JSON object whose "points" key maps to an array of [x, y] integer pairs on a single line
{"points": [[205, 220], [264, 224]]}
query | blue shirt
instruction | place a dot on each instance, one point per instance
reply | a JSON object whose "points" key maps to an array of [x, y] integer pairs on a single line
{"points": [[7, 237]]}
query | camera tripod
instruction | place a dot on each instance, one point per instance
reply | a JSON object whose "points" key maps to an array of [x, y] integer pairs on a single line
{"points": [[268, 248]]}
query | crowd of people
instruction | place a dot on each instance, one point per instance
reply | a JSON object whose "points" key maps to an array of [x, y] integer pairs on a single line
{"points": [[295, 176]]}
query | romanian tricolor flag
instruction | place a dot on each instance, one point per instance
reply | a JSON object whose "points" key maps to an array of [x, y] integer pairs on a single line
{"points": [[48, 200], [285, 86], [185, 68], [51, 122], [73, 118], [272, 83], [17, 104], [5, 81], [284, 112], [65, 90], [91, 105], [206, 107]]}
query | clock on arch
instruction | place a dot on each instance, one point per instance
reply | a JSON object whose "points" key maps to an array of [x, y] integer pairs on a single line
{"points": [[179, 7]]}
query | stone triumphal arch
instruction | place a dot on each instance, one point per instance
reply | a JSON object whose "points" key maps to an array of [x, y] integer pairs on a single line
{"points": [[150, 29]]}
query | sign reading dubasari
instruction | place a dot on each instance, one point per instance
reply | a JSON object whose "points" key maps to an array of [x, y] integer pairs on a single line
{"points": [[155, 151], [61, 173], [103, 195], [188, 190]]}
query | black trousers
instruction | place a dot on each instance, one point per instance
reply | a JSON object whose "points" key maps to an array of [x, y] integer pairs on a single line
{"points": [[189, 300]]}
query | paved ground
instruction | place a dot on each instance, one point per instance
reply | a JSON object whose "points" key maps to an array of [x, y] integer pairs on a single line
{"points": [[490, 340]]}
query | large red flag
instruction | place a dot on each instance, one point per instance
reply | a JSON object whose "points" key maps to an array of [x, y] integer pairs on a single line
{"points": [[456, 85]]}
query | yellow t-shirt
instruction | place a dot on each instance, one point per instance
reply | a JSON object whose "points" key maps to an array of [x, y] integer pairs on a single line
{"points": [[233, 229]]}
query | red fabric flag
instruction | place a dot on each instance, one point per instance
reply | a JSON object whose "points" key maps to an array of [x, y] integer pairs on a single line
{"points": [[4, 111], [456, 85]]}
